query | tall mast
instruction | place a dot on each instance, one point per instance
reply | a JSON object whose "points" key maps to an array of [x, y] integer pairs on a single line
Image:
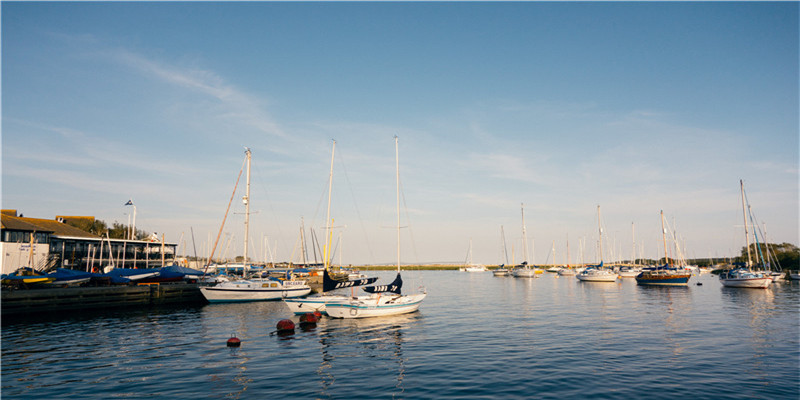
{"points": [[246, 201], [397, 176], [328, 216], [524, 235], [744, 214], [600, 228], [633, 247], [664, 238]]}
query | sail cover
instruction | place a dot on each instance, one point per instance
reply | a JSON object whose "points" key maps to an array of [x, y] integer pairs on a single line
{"points": [[329, 283], [394, 287]]}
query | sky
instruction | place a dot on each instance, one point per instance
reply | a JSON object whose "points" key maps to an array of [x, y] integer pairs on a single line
{"points": [[563, 107]]}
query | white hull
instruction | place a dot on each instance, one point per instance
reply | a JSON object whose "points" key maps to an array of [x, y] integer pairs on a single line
{"points": [[597, 275], [794, 276], [742, 278], [567, 272], [500, 272], [254, 290], [319, 303], [476, 268], [378, 306], [554, 269], [755, 283], [524, 273], [629, 273]]}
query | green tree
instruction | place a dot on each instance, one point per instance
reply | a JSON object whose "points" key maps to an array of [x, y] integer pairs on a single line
{"points": [[787, 254]]}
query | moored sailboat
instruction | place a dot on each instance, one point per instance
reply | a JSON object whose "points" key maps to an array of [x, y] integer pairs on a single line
{"points": [[665, 275], [745, 277], [388, 299], [253, 289], [523, 270], [596, 273], [319, 303]]}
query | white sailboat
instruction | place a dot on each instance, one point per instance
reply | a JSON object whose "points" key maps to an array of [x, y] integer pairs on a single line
{"points": [[631, 271], [501, 269], [253, 289], [472, 267], [319, 303], [596, 273], [389, 299], [745, 277], [523, 270]]}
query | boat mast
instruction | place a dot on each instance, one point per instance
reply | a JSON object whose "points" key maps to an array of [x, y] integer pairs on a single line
{"points": [[328, 216], [744, 214], [664, 238], [246, 201], [600, 228], [524, 236], [633, 246], [397, 178]]}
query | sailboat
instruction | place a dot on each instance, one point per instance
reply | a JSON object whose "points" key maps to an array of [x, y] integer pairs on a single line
{"points": [[472, 267], [253, 289], [501, 269], [389, 299], [319, 303], [596, 273], [745, 277], [631, 271], [523, 270], [567, 270], [664, 275]]}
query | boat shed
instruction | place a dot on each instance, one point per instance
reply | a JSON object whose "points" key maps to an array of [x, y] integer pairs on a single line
{"points": [[58, 244]]}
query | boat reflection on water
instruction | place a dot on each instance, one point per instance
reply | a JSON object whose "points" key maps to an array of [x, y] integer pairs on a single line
{"points": [[347, 342]]}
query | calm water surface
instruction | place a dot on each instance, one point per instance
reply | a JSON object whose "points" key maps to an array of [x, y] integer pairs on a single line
{"points": [[475, 337]]}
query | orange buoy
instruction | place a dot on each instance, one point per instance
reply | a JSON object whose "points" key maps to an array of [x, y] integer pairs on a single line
{"points": [[285, 325], [234, 342], [317, 314]]}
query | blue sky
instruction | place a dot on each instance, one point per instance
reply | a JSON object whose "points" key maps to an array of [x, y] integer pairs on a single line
{"points": [[636, 107]]}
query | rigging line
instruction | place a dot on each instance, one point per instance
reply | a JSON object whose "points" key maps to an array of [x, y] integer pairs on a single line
{"points": [[358, 213], [225, 218]]}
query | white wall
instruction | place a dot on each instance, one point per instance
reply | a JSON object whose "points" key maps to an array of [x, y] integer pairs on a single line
{"points": [[16, 255]]}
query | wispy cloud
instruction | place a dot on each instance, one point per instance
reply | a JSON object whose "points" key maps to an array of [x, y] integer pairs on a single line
{"points": [[239, 105]]}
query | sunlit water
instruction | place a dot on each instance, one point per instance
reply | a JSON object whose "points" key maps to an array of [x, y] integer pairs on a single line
{"points": [[475, 337]]}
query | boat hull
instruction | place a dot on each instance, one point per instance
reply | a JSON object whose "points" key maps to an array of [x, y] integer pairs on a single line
{"points": [[379, 306], [318, 303], [663, 280], [752, 283], [524, 273], [242, 291], [597, 276]]}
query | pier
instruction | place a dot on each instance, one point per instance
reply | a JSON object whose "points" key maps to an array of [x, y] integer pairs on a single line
{"points": [[31, 301]]}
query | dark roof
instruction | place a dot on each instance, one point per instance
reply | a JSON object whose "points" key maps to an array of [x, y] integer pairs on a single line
{"points": [[44, 225]]}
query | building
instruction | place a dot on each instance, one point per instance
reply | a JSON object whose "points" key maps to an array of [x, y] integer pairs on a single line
{"points": [[46, 244]]}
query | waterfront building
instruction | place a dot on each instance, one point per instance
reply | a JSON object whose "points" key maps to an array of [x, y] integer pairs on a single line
{"points": [[58, 244]]}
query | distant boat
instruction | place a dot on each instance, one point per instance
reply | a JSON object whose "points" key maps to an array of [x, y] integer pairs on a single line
{"points": [[471, 267], [389, 299], [501, 269], [523, 270], [665, 275], [254, 289], [745, 277], [596, 273]]}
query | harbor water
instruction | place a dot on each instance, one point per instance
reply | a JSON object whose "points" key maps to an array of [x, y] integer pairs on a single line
{"points": [[476, 336]]}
